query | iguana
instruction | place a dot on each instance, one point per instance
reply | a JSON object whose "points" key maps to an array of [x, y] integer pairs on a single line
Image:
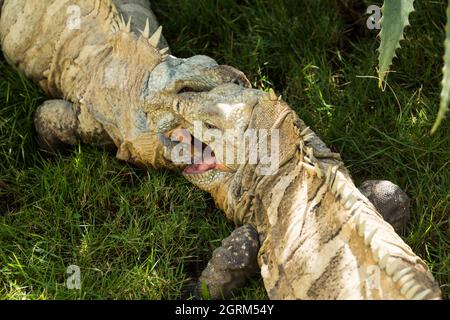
{"points": [[117, 86], [315, 235], [108, 65]]}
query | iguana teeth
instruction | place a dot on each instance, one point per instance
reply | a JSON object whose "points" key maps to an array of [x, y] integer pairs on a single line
{"points": [[164, 51], [156, 37], [421, 295], [405, 279], [146, 32], [399, 274], [407, 286], [361, 228], [318, 171], [272, 95], [391, 267], [368, 239], [412, 291]]}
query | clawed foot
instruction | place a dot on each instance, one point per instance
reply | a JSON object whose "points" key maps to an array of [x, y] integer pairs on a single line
{"points": [[390, 200], [231, 265]]}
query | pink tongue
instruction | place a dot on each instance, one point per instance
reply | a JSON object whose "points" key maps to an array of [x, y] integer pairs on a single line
{"points": [[199, 168], [209, 162]]}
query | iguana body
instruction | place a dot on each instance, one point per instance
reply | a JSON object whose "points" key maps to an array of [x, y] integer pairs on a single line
{"points": [[115, 82], [320, 236]]}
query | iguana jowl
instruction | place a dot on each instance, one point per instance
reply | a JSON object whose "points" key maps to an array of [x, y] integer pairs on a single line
{"points": [[115, 81], [320, 236]]}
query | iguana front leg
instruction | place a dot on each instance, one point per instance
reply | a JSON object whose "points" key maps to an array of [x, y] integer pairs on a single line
{"points": [[60, 123], [231, 265]]}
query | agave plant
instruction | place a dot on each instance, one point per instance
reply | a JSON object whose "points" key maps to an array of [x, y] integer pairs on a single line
{"points": [[393, 23]]}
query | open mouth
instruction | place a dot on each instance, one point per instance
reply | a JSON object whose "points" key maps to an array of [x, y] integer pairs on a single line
{"points": [[203, 158]]}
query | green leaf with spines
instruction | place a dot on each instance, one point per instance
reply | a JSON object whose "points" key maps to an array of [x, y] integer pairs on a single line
{"points": [[395, 19], [443, 109]]}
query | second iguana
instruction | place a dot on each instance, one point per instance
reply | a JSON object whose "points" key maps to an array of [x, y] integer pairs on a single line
{"points": [[314, 234]]}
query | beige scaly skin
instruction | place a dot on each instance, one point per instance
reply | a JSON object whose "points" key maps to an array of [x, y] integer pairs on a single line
{"points": [[114, 84], [320, 236]]}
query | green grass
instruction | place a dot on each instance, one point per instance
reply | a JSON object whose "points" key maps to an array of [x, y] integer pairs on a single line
{"points": [[147, 235]]}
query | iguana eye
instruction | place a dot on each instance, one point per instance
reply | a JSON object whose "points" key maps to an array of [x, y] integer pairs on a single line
{"points": [[210, 126], [186, 89]]}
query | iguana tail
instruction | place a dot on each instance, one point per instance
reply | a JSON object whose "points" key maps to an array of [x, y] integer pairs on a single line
{"points": [[333, 244]]}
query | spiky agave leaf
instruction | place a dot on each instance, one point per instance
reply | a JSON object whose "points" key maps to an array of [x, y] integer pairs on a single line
{"points": [[394, 20], [446, 76]]}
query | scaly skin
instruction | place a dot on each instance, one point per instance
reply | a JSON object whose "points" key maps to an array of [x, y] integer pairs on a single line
{"points": [[115, 84], [320, 236]]}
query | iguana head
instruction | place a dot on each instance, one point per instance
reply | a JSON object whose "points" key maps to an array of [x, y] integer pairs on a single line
{"points": [[159, 90], [231, 136]]}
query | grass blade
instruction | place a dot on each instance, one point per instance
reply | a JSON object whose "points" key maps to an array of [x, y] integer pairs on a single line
{"points": [[393, 23]]}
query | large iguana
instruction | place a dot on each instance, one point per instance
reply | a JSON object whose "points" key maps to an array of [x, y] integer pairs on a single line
{"points": [[117, 86], [108, 65], [319, 236]]}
